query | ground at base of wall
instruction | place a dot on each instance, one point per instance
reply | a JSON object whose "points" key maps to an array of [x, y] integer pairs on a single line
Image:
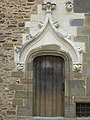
{"points": [[61, 118], [81, 118]]}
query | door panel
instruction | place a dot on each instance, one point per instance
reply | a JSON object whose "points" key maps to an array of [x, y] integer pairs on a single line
{"points": [[48, 86]]}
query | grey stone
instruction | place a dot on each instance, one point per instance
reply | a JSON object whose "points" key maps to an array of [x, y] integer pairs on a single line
{"points": [[83, 31], [82, 99], [87, 21], [77, 88], [24, 111], [82, 6], [77, 22], [81, 38], [23, 94], [89, 39], [77, 75], [88, 72], [86, 57], [17, 102], [17, 74], [22, 24], [24, 118], [87, 46], [15, 87], [28, 102]]}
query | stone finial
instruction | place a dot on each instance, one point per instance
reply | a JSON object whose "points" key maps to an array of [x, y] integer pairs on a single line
{"points": [[48, 7], [69, 6], [77, 67], [20, 66]]}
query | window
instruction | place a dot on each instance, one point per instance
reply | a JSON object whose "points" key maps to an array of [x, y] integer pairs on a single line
{"points": [[82, 109]]}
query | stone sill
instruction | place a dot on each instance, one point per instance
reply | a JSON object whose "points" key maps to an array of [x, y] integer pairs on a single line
{"points": [[47, 118], [82, 99]]}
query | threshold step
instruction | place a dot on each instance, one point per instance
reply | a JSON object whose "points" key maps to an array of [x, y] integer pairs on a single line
{"points": [[48, 118]]}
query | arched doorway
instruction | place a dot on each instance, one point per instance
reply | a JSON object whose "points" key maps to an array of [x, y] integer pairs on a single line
{"points": [[48, 90]]}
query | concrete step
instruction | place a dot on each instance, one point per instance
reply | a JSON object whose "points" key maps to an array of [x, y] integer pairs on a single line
{"points": [[48, 118]]}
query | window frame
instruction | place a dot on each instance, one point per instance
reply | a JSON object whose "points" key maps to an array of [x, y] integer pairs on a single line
{"points": [[83, 109]]}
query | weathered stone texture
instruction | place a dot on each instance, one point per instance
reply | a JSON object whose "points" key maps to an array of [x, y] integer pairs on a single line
{"points": [[76, 87], [83, 30], [17, 102], [81, 38], [77, 22], [24, 111], [13, 15], [82, 6], [23, 94]]}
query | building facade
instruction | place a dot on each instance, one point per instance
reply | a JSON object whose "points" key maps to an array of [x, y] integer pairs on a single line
{"points": [[44, 60]]}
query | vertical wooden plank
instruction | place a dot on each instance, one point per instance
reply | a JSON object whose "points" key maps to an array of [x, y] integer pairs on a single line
{"points": [[42, 71], [48, 87]]}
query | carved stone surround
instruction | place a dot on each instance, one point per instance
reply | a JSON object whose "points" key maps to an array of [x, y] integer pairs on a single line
{"points": [[59, 37]]}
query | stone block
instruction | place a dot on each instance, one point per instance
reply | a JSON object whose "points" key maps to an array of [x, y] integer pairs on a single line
{"points": [[24, 111], [86, 57], [87, 46], [39, 1], [81, 38], [89, 38], [83, 31], [28, 87], [15, 87], [88, 72], [26, 81], [31, 0], [2, 15], [77, 75], [82, 6], [1, 118], [17, 74], [28, 102], [23, 94], [82, 99], [1, 103], [11, 113], [87, 21], [77, 87], [77, 22], [17, 102], [25, 118], [7, 45], [21, 24]]}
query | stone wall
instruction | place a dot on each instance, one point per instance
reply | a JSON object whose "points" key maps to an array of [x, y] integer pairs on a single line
{"points": [[13, 15]]}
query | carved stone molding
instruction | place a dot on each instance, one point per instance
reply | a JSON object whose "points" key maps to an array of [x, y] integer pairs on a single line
{"points": [[56, 24], [41, 24], [77, 67], [20, 66], [69, 6], [17, 49], [48, 7], [29, 37], [80, 50]]}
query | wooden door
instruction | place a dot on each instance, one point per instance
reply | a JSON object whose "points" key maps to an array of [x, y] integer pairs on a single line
{"points": [[48, 95]]}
